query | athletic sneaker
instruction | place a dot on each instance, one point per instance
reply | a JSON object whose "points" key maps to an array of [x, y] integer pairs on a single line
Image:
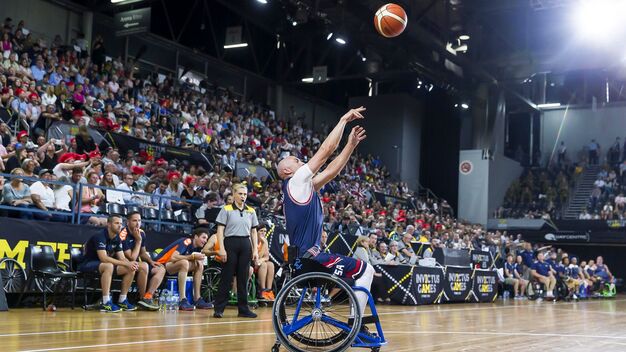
{"points": [[518, 297], [127, 306], [271, 293], [148, 304], [110, 307], [202, 304], [266, 296], [184, 305]]}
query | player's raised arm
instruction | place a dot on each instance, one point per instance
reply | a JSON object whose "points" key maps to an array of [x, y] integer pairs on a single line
{"points": [[331, 142], [334, 168]]}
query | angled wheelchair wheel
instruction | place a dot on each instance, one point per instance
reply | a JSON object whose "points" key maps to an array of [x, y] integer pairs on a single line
{"points": [[13, 275], [210, 284], [316, 312]]}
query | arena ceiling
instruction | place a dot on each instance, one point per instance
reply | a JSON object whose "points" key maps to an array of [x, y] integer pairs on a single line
{"points": [[509, 41]]}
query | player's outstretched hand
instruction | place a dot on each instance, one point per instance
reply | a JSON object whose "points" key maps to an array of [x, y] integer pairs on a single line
{"points": [[356, 136], [353, 114]]}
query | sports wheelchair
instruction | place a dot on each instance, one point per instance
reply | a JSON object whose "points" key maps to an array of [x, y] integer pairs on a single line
{"points": [[318, 311]]}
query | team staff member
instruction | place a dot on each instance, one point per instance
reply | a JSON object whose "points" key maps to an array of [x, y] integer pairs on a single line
{"points": [[134, 245], [264, 266], [103, 253], [542, 271], [183, 256], [236, 224]]}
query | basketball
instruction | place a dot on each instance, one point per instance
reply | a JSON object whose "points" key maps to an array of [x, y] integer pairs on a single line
{"points": [[390, 20]]}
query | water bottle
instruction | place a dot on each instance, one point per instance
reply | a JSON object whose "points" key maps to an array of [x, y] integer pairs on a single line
{"points": [[175, 300], [168, 301], [162, 302], [506, 294]]}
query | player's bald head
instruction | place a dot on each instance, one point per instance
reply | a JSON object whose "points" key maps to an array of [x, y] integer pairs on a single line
{"points": [[288, 166]]}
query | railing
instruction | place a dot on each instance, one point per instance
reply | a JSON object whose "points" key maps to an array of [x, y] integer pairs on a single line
{"points": [[162, 217]]}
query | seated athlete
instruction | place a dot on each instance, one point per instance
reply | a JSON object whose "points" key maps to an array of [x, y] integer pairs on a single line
{"points": [[303, 207], [104, 253], [134, 245], [510, 277], [183, 256], [542, 272]]}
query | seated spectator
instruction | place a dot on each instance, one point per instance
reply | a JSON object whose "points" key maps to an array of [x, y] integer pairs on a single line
{"points": [[16, 193], [264, 266], [127, 185], [181, 257], [92, 200], [519, 274], [63, 195], [163, 193], [542, 272], [43, 197], [394, 254], [405, 248], [103, 253]]}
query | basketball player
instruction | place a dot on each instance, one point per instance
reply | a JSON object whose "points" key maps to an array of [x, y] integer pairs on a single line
{"points": [[303, 207]]}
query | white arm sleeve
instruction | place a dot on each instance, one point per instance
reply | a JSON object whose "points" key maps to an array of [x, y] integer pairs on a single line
{"points": [[300, 186]]}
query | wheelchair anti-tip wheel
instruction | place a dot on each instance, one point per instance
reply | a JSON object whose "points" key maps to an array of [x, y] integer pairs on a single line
{"points": [[316, 312]]}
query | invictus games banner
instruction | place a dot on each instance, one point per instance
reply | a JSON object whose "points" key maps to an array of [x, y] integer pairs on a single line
{"points": [[481, 259], [341, 244], [485, 285], [428, 284], [398, 281], [278, 241], [16, 235], [458, 284]]}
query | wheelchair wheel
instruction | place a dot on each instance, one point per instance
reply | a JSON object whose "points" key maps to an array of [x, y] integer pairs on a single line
{"points": [[306, 317], [210, 283], [535, 290], [13, 275]]}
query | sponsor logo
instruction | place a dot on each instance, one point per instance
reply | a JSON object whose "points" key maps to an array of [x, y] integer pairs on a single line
{"points": [[572, 236]]}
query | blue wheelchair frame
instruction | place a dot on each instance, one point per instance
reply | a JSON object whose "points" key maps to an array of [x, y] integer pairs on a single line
{"points": [[362, 339]]}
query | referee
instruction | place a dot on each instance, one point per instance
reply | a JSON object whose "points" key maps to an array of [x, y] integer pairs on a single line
{"points": [[236, 223]]}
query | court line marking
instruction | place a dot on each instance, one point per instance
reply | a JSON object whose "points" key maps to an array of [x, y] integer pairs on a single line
{"points": [[438, 310], [493, 333], [149, 341]]}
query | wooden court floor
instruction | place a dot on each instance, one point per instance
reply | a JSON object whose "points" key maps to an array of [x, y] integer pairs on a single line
{"points": [[512, 326]]}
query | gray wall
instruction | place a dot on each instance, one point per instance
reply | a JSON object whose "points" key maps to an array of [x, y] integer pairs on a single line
{"points": [[580, 126], [43, 19], [474, 188], [314, 112], [394, 120]]}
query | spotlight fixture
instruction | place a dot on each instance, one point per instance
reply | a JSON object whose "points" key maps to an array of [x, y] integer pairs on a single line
{"points": [[464, 37], [294, 23], [307, 80], [340, 40], [330, 35], [465, 106], [234, 46], [262, 1], [548, 105]]}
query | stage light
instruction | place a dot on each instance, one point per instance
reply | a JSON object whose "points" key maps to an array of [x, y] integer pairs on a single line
{"points": [[307, 80], [456, 105], [262, 1], [294, 23], [234, 46], [340, 40], [363, 59], [330, 35], [464, 37], [548, 105], [430, 88], [465, 106], [599, 20]]}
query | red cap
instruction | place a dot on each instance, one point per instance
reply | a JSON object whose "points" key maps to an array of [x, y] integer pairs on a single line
{"points": [[188, 180], [21, 134], [70, 83], [77, 112], [67, 157], [137, 170], [161, 162], [94, 154], [33, 96], [19, 91], [173, 174]]}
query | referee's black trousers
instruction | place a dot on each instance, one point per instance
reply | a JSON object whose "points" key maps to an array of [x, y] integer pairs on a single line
{"points": [[238, 256]]}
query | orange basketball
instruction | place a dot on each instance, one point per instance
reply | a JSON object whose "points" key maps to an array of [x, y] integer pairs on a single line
{"points": [[390, 20]]}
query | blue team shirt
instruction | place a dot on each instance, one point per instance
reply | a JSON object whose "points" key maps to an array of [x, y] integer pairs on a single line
{"points": [[304, 220], [128, 241], [542, 268], [519, 268], [528, 257], [99, 242], [572, 272], [510, 268], [184, 246], [601, 272]]}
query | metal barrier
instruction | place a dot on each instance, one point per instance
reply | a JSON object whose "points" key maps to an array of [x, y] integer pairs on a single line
{"points": [[75, 215]]}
